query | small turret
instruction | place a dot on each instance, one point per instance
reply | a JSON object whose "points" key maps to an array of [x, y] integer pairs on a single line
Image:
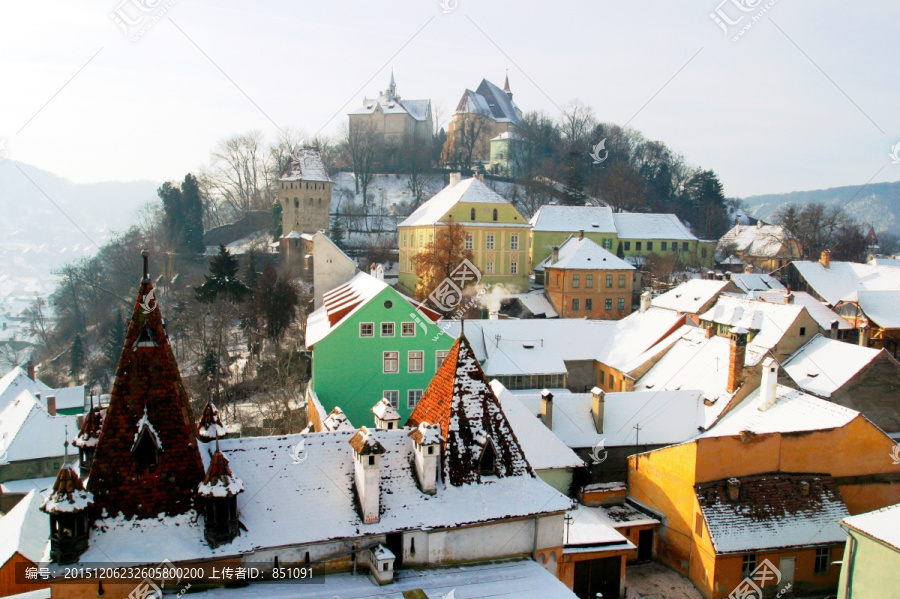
{"points": [[218, 493], [86, 441], [210, 426], [69, 508]]}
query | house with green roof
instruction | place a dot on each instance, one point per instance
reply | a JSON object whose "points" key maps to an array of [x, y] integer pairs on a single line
{"points": [[370, 342]]}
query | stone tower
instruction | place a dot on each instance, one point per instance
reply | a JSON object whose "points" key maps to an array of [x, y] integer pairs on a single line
{"points": [[304, 192]]}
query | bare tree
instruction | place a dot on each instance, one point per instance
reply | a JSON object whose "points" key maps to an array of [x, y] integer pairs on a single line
{"points": [[416, 163], [622, 187], [243, 172], [361, 146], [468, 136], [576, 123]]}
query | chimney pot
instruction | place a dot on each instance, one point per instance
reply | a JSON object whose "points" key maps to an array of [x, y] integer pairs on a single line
{"points": [[598, 406], [547, 408], [145, 255], [734, 489], [803, 487], [825, 258], [455, 178], [554, 255], [710, 331], [30, 368], [51, 405], [480, 177], [834, 329], [646, 301], [581, 234], [768, 387]]}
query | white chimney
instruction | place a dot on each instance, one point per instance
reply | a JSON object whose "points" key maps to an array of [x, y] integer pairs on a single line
{"points": [[768, 388], [387, 417], [598, 402], [367, 453], [547, 408], [426, 451], [454, 179], [51, 405], [833, 333], [493, 315], [646, 300]]}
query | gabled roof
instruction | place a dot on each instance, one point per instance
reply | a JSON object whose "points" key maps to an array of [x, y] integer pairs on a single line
{"points": [[882, 308], [305, 164], [821, 313], [68, 493], [824, 365], [635, 225], [763, 241], [24, 530], [462, 403], [490, 101], [29, 432], [882, 525], [772, 511], [337, 421], [468, 190], [747, 282], [691, 296], [770, 321], [569, 219], [340, 304], [219, 481], [841, 279], [417, 109], [584, 254], [14, 382]]}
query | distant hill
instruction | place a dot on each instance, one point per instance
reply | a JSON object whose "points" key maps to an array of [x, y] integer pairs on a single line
{"points": [[878, 204]]}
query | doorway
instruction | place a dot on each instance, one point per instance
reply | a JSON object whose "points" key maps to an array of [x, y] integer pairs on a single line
{"points": [[394, 542], [598, 576], [645, 545]]}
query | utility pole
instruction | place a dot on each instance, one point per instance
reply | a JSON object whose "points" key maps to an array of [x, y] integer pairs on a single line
{"points": [[637, 433]]}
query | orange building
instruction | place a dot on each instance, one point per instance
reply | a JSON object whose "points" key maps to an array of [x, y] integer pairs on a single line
{"points": [[767, 482], [581, 279]]}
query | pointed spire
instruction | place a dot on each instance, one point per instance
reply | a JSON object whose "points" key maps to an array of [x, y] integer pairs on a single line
{"points": [[506, 86], [146, 256], [392, 90]]}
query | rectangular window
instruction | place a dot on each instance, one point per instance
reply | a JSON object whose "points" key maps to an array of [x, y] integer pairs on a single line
{"points": [[684, 246], [393, 397], [637, 246], [439, 357], [514, 242], [416, 361], [391, 361], [412, 398], [621, 281], [627, 245], [674, 246], [470, 241], [589, 281], [588, 305], [490, 268], [612, 382], [621, 303], [431, 237], [748, 565], [803, 331], [421, 239], [823, 556], [367, 329], [649, 246], [602, 377], [609, 281], [408, 329], [490, 242], [576, 281], [387, 329], [575, 305], [607, 243], [608, 304], [404, 240], [513, 268], [665, 245]]}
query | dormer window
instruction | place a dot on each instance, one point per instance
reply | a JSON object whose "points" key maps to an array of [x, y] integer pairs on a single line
{"points": [[146, 446], [487, 465], [145, 338]]}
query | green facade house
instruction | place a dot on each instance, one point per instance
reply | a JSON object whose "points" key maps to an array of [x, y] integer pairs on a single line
{"points": [[871, 564], [370, 342]]}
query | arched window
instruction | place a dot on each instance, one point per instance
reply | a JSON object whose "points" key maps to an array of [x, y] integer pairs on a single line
{"points": [[472, 214], [487, 465], [495, 214], [296, 203]]}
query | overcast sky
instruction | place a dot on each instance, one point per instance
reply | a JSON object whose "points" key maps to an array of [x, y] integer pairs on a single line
{"points": [[806, 99]]}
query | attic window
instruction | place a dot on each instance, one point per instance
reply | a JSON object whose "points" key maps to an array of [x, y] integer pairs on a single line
{"points": [[487, 464], [528, 345], [146, 450], [145, 338], [812, 375]]}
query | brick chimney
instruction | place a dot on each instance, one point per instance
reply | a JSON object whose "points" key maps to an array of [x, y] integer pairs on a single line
{"points": [[736, 359], [733, 487], [554, 254], [51, 405], [367, 453], [598, 402], [581, 234], [768, 387], [547, 408], [710, 331], [825, 259], [803, 488], [30, 368]]}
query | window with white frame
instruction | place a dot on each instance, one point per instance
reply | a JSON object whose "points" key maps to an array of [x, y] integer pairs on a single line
{"points": [[514, 242], [621, 303], [393, 397], [576, 281], [387, 329], [490, 268], [412, 398], [470, 241], [490, 242], [439, 357], [416, 361], [513, 268], [408, 329], [367, 329], [589, 280], [391, 361]]}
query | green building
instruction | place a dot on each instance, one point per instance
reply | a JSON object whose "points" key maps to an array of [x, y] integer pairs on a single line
{"points": [[871, 564], [502, 148], [370, 342]]}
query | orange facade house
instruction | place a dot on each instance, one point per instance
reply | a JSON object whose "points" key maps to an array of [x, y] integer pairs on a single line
{"points": [[748, 488], [583, 280]]}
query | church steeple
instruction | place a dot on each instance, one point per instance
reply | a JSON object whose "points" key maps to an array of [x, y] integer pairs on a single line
{"points": [[147, 460], [506, 87], [392, 90]]}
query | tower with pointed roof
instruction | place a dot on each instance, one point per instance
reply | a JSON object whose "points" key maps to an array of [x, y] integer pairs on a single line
{"points": [[147, 459], [218, 493], [69, 507]]}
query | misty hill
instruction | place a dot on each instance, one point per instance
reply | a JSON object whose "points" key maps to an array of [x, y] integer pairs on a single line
{"points": [[878, 204]]}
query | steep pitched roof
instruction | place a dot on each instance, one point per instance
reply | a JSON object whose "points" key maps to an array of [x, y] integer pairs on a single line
{"points": [[210, 426], [14, 382], [468, 190], [584, 254], [691, 296], [148, 392], [883, 525], [340, 304], [68, 493], [460, 400], [29, 432], [821, 313], [90, 428], [490, 101], [772, 511], [763, 241], [770, 321], [824, 365], [305, 164], [219, 481], [24, 530], [882, 307]]}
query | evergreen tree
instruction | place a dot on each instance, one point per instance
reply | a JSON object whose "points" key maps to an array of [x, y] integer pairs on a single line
{"points": [[173, 212], [209, 365], [277, 300], [222, 280], [337, 232], [192, 214], [276, 220], [77, 357], [115, 339], [251, 275], [620, 253], [573, 192]]}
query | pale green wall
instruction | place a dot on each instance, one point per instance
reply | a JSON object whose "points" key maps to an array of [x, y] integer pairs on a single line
{"points": [[559, 479], [872, 570]]}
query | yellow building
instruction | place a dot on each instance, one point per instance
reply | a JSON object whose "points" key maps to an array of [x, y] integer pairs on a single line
{"points": [[496, 233], [394, 118]]}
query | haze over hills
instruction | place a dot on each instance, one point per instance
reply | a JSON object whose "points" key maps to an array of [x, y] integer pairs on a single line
{"points": [[877, 204]]}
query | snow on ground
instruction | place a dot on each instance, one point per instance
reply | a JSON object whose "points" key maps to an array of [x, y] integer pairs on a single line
{"points": [[655, 581]]}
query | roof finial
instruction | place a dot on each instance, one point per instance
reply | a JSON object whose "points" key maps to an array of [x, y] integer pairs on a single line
{"points": [[146, 256], [66, 446], [462, 326]]}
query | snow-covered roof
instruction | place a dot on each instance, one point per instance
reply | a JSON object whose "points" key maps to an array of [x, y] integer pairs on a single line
{"points": [[385, 411], [883, 525], [340, 304], [824, 365], [305, 164], [24, 530], [625, 515], [755, 282], [43, 485], [772, 511], [68, 493], [471, 191], [893, 262], [633, 225], [426, 434], [417, 109], [67, 398], [490, 101], [584, 254], [28, 432], [793, 412], [821, 313], [589, 527], [841, 279], [769, 321], [691, 296], [569, 219], [763, 241], [537, 303], [664, 417], [882, 308], [14, 382], [543, 449], [337, 421]]}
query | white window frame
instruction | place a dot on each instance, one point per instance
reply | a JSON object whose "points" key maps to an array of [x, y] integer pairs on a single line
{"points": [[489, 268], [489, 241], [439, 357], [390, 355], [395, 400], [513, 267], [409, 402], [362, 324], [393, 327], [470, 241], [404, 326], [514, 242], [420, 358]]}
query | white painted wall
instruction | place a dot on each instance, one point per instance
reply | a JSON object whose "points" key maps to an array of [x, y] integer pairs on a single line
{"points": [[331, 267]]}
